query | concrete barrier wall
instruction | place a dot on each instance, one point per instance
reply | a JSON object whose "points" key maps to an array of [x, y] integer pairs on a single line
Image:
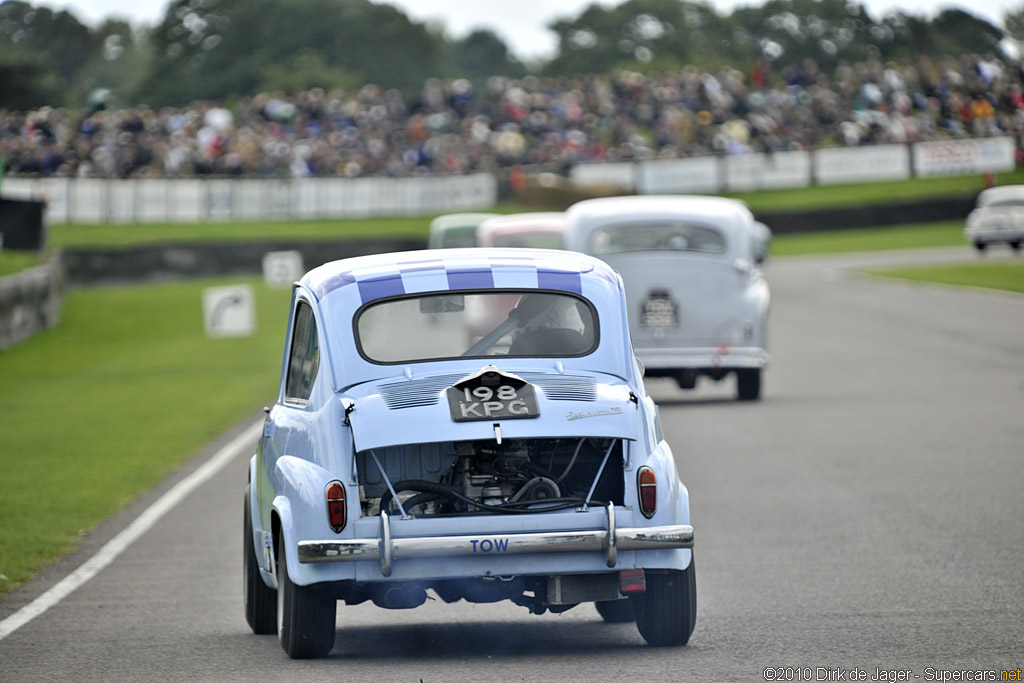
{"points": [[30, 302]]}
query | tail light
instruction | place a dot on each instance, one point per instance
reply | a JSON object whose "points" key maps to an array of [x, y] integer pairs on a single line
{"points": [[647, 486], [336, 505]]}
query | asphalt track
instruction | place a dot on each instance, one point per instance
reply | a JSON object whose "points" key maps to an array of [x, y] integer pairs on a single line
{"points": [[867, 515]]}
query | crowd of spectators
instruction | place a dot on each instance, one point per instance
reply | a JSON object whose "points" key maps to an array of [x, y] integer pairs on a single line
{"points": [[450, 127]]}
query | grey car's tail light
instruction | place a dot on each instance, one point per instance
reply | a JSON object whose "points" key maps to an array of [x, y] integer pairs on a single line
{"points": [[647, 487], [335, 495]]}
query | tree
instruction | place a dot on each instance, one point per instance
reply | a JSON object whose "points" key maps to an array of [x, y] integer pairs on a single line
{"points": [[43, 44], [211, 49], [483, 54]]}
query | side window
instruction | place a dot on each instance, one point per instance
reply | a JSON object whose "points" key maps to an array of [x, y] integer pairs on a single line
{"points": [[304, 358]]}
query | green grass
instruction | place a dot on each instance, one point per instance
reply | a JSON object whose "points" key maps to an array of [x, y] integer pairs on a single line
{"points": [[98, 409], [14, 261], [827, 196], [913, 236], [108, 235], [1002, 275]]}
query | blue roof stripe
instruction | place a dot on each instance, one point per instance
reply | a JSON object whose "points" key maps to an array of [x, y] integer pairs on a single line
{"points": [[559, 279], [380, 287], [470, 278], [417, 266], [335, 282]]}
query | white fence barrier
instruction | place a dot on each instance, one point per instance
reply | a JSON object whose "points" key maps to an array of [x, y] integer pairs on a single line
{"points": [[827, 166], [91, 200]]}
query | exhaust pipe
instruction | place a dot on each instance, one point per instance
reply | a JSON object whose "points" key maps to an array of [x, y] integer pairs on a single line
{"points": [[399, 596]]}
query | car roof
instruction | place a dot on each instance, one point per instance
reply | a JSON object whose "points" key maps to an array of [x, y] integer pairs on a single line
{"points": [[381, 275], [1000, 193], [728, 215], [647, 205]]}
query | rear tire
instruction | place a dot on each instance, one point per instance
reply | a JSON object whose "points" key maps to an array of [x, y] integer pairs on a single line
{"points": [[260, 601], [305, 615], [748, 385], [616, 611], [667, 611], [980, 246], [1015, 245]]}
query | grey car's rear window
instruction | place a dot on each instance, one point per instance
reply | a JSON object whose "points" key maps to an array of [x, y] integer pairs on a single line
{"points": [[663, 236]]}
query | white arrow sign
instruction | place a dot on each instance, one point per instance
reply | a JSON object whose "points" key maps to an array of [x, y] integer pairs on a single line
{"points": [[229, 311]]}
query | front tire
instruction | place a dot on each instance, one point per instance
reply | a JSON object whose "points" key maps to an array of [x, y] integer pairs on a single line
{"points": [[1015, 245], [305, 615], [980, 246], [260, 601], [748, 384], [616, 611], [667, 611]]}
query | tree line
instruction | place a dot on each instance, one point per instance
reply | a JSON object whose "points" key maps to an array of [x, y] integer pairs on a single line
{"points": [[223, 49]]}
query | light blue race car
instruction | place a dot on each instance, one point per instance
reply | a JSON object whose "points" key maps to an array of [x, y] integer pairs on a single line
{"points": [[470, 422]]}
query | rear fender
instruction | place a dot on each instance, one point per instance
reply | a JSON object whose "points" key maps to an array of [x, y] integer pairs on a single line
{"points": [[301, 510]]}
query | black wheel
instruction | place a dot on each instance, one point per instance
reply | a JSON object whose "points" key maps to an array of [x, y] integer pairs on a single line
{"points": [[616, 611], [980, 246], [260, 601], [748, 385], [305, 616], [667, 611], [1015, 245]]}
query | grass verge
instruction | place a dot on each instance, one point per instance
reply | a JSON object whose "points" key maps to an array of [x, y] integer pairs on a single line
{"points": [[912, 236], [1001, 275], [101, 407]]}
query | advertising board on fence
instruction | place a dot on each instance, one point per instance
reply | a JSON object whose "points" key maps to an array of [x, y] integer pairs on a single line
{"points": [[679, 176], [744, 172], [963, 157], [839, 165], [615, 174]]}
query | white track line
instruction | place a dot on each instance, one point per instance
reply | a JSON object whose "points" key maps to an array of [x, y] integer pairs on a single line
{"points": [[143, 523]]}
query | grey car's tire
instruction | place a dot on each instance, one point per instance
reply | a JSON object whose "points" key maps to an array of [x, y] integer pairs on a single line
{"points": [[980, 246], [1015, 245], [260, 601], [616, 611], [667, 611], [305, 615], [748, 385]]}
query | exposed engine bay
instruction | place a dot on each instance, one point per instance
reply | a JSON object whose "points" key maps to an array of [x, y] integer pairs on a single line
{"points": [[515, 476]]}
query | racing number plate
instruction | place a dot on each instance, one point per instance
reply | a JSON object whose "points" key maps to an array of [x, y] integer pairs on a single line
{"points": [[659, 311], [492, 395]]}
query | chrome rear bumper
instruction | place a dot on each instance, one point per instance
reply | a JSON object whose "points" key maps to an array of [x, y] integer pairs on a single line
{"points": [[386, 549]]}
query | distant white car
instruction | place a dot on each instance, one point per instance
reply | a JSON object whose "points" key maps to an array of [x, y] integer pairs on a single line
{"points": [[997, 218], [696, 299]]}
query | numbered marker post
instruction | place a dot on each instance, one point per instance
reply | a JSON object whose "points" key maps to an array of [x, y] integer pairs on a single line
{"points": [[282, 268], [229, 311]]}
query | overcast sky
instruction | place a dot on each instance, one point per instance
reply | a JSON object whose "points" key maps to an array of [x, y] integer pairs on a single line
{"points": [[521, 23]]}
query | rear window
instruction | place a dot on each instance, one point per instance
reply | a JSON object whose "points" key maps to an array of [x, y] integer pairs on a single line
{"points": [[450, 325], [657, 237]]}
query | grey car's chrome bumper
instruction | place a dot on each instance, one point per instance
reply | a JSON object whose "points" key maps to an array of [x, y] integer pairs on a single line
{"points": [[608, 541]]}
